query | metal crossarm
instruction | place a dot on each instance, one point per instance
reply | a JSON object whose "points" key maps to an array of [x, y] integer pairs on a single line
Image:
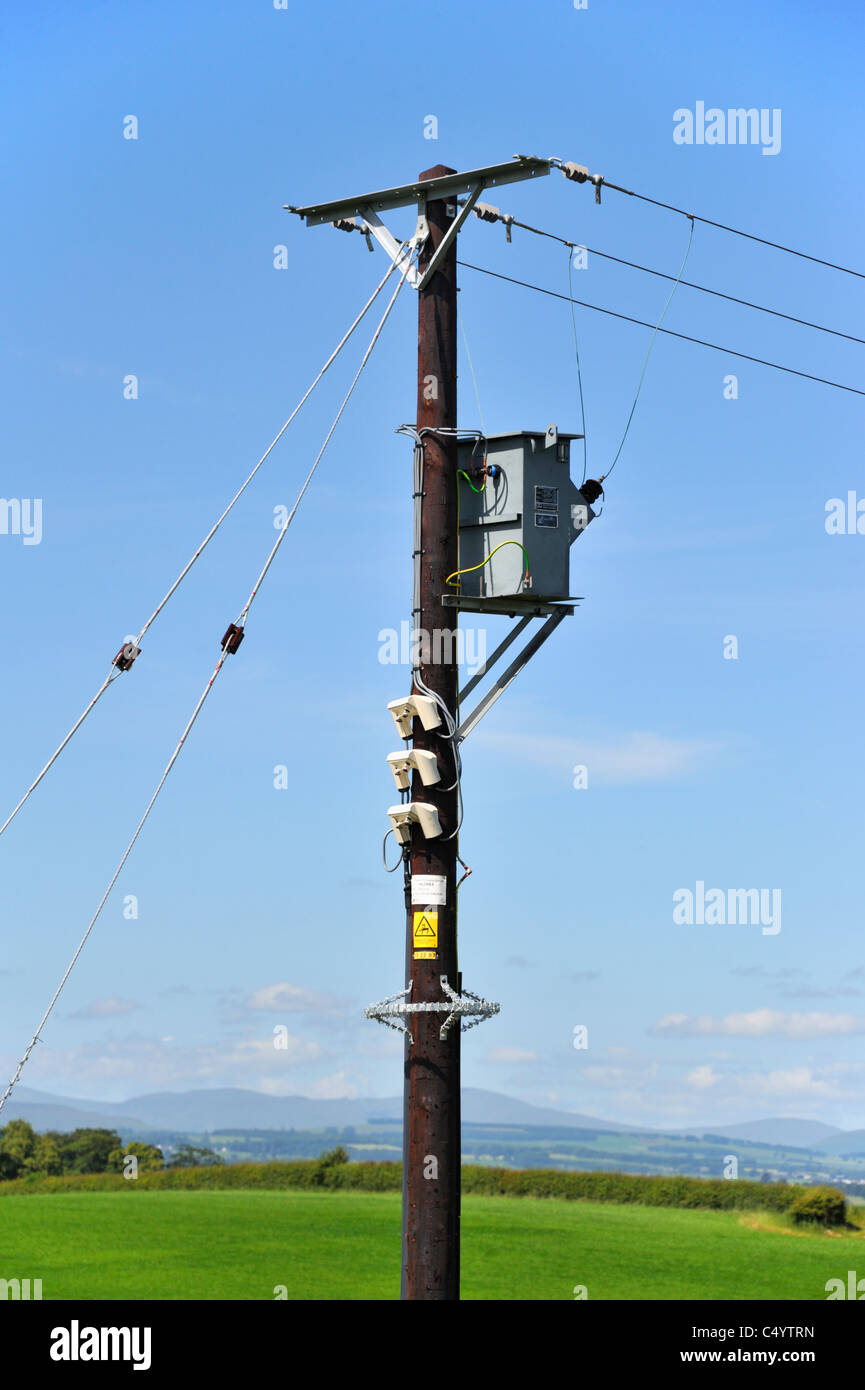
{"points": [[447, 185], [367, 207]]}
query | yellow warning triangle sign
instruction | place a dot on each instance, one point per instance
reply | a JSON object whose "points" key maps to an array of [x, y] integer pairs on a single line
{"points": [[425, 928]]}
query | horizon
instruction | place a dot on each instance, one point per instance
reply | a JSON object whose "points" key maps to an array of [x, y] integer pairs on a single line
{"points": [[32, 1092]]}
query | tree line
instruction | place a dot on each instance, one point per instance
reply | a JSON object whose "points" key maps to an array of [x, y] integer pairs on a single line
{"points": [[53, 1153]]}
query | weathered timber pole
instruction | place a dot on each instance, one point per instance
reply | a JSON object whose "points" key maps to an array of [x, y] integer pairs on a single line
{"points": [[431, 1149]]}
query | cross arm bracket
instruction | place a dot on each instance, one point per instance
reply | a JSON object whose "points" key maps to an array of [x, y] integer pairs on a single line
{"points": [[468, 186]]}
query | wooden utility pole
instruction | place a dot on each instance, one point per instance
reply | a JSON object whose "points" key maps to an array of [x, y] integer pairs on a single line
{"points": [[431, 1147], [431, 1130]]}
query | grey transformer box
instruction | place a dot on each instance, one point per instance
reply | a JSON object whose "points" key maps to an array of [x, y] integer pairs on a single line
{"points": [[520, 490]]}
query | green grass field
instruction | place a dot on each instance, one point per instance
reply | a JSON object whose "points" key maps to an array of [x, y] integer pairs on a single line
{"points": [[345, 1245]]}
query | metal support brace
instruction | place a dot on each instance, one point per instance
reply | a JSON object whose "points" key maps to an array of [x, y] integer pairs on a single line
{"points": [[511, 673], [450, 234], [499, 651], [399, 252]]}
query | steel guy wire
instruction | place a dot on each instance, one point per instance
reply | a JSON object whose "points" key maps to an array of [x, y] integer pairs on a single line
{"points": [[115, 672], [199, 706]]}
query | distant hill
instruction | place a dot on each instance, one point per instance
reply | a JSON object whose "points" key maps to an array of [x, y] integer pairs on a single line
{"points": [[246, 1126], [802, 1134], [232, 1108], [52, 1113], [846, 1143], [229, 1108]]}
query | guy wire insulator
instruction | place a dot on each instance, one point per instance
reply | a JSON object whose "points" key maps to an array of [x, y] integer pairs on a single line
{"points": [[232, 638], [125, 657]]}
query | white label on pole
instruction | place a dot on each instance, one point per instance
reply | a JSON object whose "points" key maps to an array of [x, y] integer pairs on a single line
{"points": [[429, 890]]}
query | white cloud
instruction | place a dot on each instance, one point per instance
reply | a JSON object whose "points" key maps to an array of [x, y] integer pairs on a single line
{"points": [[259, 1050], [719, 1089], [139, 1063], [798, 1083], [701, 1078], [284, 997], [107, 1008], [634, 757], [335, 1087], [624, 1069], [760, 1023]]}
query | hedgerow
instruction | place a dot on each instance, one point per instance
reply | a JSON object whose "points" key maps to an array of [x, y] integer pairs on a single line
{"points": [[324, 1174]]}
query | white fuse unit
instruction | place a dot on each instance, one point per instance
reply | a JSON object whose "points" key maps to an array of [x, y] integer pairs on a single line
{"points": [[401, 765], [414, 812], [420, 706]]}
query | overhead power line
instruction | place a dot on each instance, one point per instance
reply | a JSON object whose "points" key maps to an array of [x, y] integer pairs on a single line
{"points": [[737, 231], [671, 333], [117, 670], [691, 285], [231, 641], [578, 173]]}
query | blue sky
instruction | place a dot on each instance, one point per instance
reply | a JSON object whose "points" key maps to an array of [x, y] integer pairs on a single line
{"points": [[154, 257]]}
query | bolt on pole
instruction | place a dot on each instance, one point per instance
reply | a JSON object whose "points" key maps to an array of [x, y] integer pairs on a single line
{"points": [[431, 1143]]}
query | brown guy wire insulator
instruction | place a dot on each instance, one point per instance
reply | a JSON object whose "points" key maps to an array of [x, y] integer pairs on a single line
{"points": [[125, 657], [232, 638]]}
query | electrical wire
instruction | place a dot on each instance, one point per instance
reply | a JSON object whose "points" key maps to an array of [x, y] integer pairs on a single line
{"points": [[579, 370], [689, 284], [731, 298], [736, 231], [648, 352], [463, 474], [468, 871], [391, 869], [471, 568], [450, 735], [471, 364], [450, 723], [669, 332], [115, 672], [197, 710]]}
